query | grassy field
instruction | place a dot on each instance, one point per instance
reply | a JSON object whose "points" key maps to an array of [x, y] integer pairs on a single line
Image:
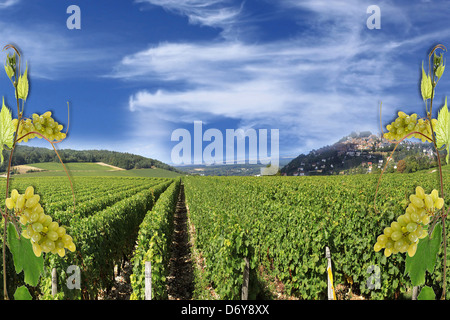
{"points": [[92, 169]]}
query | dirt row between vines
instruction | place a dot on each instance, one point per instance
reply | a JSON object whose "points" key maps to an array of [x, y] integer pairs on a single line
{"points": [[180, 282]]}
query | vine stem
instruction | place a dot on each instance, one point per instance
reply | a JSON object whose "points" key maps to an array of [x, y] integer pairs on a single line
{"points": [[5, 216], [432, 76]]}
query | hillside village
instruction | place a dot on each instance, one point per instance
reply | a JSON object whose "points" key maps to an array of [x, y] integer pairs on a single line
{"points": [[357, 153]]}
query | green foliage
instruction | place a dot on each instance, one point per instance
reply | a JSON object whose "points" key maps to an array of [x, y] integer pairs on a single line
{"points": [[153, 244], [443, 129], [425, 257], [426, 86], [24, 258], [22, 85], [6, 129], [426, 293], [284, 223], [22, 293]]}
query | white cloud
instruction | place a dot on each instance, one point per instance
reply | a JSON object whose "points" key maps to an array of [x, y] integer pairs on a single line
{"points": [[8, 3], [222, 14], [51, 54], [314, 89]]}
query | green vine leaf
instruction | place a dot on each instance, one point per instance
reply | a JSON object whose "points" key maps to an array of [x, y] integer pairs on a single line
{"points": [[443, 129], [22, 293], [24, 257], [22, 85], [425, 257], [426, 87], [426, 293], [6, 129]]}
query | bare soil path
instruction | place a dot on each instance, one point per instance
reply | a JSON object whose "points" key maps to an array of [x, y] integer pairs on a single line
{"points": [[180, 282]]}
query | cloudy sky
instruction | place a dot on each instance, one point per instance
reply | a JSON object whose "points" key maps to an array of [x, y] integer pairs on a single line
{"points": [[138, 70]]}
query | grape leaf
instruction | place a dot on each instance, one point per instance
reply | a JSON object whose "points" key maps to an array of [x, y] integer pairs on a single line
{"points": [[443, 129], [9, 71], [6, 129], [22, 293], [24, 257], [22, 85], [426, 293], [425, 257], [426, 87]]}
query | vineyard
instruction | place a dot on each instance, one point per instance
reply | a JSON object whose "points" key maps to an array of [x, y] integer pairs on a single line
{"points": [[280, 224], [283, 224]]}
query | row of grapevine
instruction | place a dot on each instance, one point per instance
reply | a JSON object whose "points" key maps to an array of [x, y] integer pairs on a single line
{"points": [[103, 239], [282, 224], [153, 245], [103, 230]]}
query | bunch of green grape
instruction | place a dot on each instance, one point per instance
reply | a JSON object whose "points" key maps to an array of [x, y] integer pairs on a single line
{"points": [[46, 235], [44, 124], [405, 124], [403, 235]]}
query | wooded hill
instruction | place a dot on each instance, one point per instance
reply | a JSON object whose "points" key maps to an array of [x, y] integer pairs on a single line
{"points": [[28, 155]]}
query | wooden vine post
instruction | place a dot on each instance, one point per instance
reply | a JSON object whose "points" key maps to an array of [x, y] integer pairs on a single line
{"points": [[331, 292], [148, 280], [244, 293]]}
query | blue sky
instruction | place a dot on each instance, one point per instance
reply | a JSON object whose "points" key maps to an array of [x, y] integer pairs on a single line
{"points": [[138, 70]]}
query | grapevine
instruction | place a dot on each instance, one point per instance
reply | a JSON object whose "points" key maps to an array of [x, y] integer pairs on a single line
{"points": [[414, 230], [27, 228]]}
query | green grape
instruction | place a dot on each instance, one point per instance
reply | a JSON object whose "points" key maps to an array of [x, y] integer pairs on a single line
{"points": [[20, 201], [395, 226], [402, 220], [34, 217], [420, 192], [412, 249], [426, 220], [389, 244], [429, 203], [37, 227], [405, 124], [59, 244], [377, 247], [61, 231], [23, 220], [31, 202], [52, 235], [29, 192], [412, 237], [396, 235], [10, 204], [43, 124], [416, 201], [45, 234], [388, 252], [61, 252], [388, 231], [382, 239], [66, 239], [411, 227], [37, 249], [71, 246], [53, 226], [36, 237], [439, 203], [14, 194]]}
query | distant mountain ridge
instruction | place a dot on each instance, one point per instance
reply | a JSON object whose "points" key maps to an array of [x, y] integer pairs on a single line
{"points": [[27, 155]]}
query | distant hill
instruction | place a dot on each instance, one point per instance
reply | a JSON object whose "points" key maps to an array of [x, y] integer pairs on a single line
{"points": [[28, 155], [359, 152], [228, 169]]}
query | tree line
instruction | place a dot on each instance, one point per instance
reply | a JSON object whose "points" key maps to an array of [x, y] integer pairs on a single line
{"points": [[27, 155]]}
